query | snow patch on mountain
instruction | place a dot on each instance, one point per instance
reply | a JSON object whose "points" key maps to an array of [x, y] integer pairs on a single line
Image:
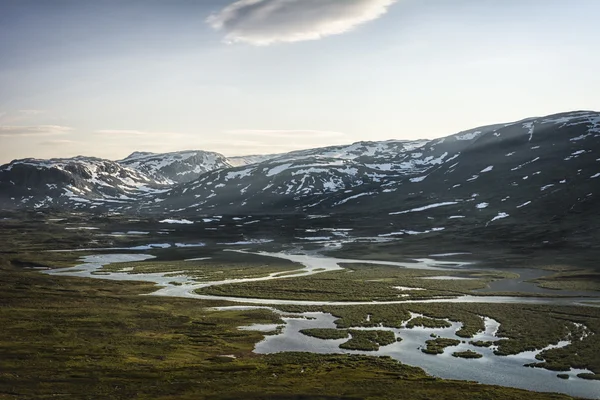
{"points": [[176, 221], [430, 206]]}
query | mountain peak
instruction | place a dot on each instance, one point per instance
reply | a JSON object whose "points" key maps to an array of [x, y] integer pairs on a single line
{"points": [[552, 160], [138, 154]]}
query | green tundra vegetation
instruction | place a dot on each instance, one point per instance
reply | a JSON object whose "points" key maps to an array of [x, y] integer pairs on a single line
{"points": [[364, 340], [438, 345], [359, 282], [395, 315], [469, 354], [428, 323], [83, 338], [523, 327], [368, 340], [325, 333], [226, 265], [571, 280], [481, 343], [589, 376]]}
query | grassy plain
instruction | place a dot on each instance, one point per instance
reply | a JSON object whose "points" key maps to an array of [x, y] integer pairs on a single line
{"points": [[359, 282], [91, 339], [77, 338], [224, 265], [571, 280]]}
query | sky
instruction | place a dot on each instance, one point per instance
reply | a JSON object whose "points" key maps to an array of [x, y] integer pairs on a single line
{"points": [[105, 78]]}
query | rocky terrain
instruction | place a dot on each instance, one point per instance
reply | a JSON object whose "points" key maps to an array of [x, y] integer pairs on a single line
{"points": [[535, 180]]}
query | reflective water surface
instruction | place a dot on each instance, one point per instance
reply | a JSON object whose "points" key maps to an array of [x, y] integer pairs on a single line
{"points": [[490, 369]]}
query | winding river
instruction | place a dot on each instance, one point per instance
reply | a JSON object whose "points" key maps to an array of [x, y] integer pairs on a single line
{"points": [[490, 369]]}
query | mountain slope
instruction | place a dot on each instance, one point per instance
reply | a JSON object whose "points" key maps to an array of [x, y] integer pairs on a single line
{"points": [[547, 168], [240, 161], [517, 162], [88, 183], [176, 167], [80, 183]]}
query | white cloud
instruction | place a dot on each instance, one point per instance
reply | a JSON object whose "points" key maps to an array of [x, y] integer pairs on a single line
{"points": [[32, 130], [32, 112], [248, 147], [264, 22], [121, 132], [58, 142], [133, 133], [295, 134]]}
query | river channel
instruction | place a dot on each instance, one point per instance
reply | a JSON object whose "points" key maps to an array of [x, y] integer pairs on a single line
{"points": [[490, 369]]}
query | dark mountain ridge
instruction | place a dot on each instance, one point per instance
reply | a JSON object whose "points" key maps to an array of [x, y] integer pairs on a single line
{"points": [[538, 165]]}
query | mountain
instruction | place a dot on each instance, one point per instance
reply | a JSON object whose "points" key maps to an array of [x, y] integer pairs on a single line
{"points": [[240, 161], [93, 184], [546, 168], [548, 160], [176, 167], [290, 181], [79, 183]]}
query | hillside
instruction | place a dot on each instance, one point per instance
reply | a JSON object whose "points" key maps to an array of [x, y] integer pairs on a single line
{"points": [[547, 167]]}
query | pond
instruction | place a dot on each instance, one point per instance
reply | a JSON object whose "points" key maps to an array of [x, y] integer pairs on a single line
{"points": [[489, 369]]}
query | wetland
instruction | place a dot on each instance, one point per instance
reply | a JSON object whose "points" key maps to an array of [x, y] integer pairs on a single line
{"points": [[263, 313]]}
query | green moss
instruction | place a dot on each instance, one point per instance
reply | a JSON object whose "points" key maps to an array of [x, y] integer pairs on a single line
{"points": [[100, 339], [83, 338], [358, 282], [581, 280], [589, 376], [438, 345], [368, 340], [428, 323], [321, 333], [550, 366], [467, 354], [225, 265], [481, 343]]}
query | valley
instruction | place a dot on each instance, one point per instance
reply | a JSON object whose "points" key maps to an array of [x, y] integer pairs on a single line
{"points": [[295, 294], [464, 267]]}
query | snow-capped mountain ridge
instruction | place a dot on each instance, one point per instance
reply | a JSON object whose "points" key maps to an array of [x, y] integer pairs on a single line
{"points": [[525, 162], [176, 167], [240, 161], [526, 159], [79, 182]]}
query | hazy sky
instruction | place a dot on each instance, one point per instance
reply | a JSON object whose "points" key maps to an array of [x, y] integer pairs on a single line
{"points": [[107, 77]]}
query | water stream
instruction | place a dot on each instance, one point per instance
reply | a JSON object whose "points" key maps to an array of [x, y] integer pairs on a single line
{"points": [[490, 369]]}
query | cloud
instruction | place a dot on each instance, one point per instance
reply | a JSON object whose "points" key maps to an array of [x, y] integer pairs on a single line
{"points": [[250, 144], [121, 132], [57, 142], [248, 147], [292, 134], [126, 132], [30, 117], [32, 112], [32, 130], [265, 22]]}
